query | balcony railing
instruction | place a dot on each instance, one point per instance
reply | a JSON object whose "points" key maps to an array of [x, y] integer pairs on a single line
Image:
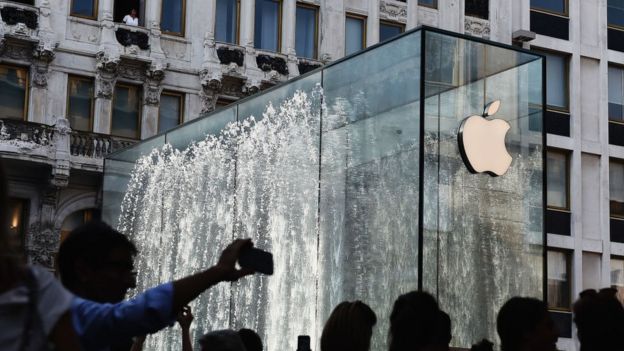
{"points": [[14, 13], [18, 131], [130, 35], [95, 145]]}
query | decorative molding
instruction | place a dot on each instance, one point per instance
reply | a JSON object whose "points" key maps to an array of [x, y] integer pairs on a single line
{"points": [[393, 11], [106, 74], [126, 37], [131, 71], [39, 74], [477, 27], [270, 63], [153, 82], [15, 16], [227, 56]]}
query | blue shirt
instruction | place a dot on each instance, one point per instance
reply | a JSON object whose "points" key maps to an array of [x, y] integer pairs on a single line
{"points": [[99, 325]]}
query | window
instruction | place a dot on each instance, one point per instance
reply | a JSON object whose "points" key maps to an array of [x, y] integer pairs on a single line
{"points": [[84, 8], [126, 111], [355, 34], [268, 25], [615, 13], [13, 92], [477, 8], [80, 103], [617, 276], [170, 111], [125, 7], [557, 180], [428, 3], [616, 94], [223, 103], [226, 27], [559, 7], [306, 35], [558, 280], [556, 81], [18, 218], [616, 188], [172, 16], [77, 219], [388, 30]]}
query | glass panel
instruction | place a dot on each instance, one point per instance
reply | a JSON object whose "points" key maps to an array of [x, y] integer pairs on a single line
{"points": [[615, 12], [13, 85], [556, 81], [388, 30], [226, 27], [80, 109], [172, 19], [556, 6], [267, 25], [477, 8], [557, 180], [354, 35], [305, 41], [616, 94], [482, 234], [84, 8], [126, 112], [558, 280], [369, 180], [616, 188], [197, 130], [617, 276], [429, 3], [169, 112]]}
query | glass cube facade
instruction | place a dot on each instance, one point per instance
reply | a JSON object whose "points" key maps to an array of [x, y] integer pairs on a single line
{"points": [[353, 178]]}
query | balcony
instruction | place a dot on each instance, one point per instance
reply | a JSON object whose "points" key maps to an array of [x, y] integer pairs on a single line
{"points": [[129, 36]]}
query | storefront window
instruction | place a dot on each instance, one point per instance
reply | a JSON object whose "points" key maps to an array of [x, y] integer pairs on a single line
{"points": [[616, 188], [388, 30], [268, 25], [80, 103], [355, 34], [172, 18], [170, 111], [226, 28], [14, 88], [306, 31], [558, 280], [126, 111], [557, 178]]}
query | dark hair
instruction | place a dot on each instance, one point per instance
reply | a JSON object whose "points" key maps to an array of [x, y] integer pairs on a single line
{"points": [[518, 317], [251, 339], [92, 243], [443, 334], [483, 345], [349, 327], [414, 322], [599, 318]]}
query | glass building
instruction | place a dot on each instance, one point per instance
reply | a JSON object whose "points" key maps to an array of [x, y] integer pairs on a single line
{"points": [[353, 177]]}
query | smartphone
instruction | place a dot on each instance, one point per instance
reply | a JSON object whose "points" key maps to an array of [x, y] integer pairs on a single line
{"points": [[256, 259], [303, 343]]}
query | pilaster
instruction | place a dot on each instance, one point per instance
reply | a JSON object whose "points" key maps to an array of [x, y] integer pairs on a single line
{"points": [[152, 88], [105, 78]]}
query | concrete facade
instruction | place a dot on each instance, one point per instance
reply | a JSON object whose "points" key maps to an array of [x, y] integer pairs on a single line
{"points": [[57, 180]]}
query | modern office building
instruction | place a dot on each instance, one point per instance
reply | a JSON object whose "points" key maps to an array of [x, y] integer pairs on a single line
{"points": [[77, 84]]}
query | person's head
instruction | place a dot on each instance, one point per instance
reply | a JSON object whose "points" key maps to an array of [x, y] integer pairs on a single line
{"points": [[523, 323], [483, 345], [133, 13], [415, 322], [250, 339], [599, 318], [349, 327], [443, 332], [97, 262], [222, 340]]}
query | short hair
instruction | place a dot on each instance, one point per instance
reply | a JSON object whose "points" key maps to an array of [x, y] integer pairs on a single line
{"points": [[518, 317], [251, 339], [349, 327], [222, 340], [599, 318], [92, 243], [414, 322]]}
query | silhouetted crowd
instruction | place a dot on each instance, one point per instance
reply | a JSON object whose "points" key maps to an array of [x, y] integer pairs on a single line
{"points": [[86, 309]]}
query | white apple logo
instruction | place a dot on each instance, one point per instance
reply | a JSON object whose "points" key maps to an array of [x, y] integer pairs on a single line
{"points": [[482, 142]]}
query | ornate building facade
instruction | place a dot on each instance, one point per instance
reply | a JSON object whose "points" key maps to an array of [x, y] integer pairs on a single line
{"points": [[76, 84]]}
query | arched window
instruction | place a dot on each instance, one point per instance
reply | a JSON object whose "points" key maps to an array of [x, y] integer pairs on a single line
{"points": [[77, 219]]}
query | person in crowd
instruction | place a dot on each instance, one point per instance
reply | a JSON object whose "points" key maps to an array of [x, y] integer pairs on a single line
{"points": [[222, 340], [599, 318], [524, 324], [131, 19], [251, 339], [349, 327], [185, 318], [417, 324], [483, 345], [443, 333]]}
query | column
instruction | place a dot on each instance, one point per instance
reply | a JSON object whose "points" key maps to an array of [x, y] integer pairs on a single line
{"points": [[246, 21], [412, 15], [105, 79], [151, 101], [153, 12], [289, 14], [332, 30], [372, 23]]}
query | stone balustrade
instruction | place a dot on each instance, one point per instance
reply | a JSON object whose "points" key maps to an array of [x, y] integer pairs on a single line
{"points": [[95, 145]]}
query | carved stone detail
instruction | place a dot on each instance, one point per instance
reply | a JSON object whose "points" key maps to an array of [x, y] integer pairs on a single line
{"points": [[477, 27], [126, 37], [39, 75], [269, 63], [228, 56], [106, 74], [211, 85], [130, 71], [392, 10], [16, 16], [251, 87], [153, 82]]}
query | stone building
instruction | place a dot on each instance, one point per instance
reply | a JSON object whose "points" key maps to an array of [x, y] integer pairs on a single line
{"points": [[76, 84]]}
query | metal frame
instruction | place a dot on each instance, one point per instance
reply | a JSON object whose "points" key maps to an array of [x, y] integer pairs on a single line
{"points": [[565, 14], [566, 57], [180, 97], [183, 22], [566, 154], [26, 86], [139, 114], [316, 9], [71, 77], [363, 20], [95, 10]]}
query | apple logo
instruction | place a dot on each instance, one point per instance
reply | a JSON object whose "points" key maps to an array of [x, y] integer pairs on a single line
{"points": [[482, 142]]}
